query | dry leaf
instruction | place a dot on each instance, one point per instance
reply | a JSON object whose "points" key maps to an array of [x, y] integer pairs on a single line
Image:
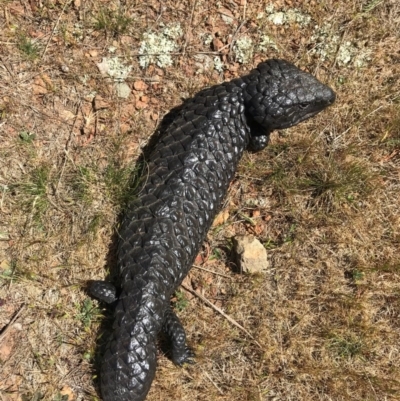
{"points": [[221, 218], [199, 259], [217, 44], [16, 9], [67, 115], [100, 103], [66, 390], [47, 80], [7, 346], [39, 88]]}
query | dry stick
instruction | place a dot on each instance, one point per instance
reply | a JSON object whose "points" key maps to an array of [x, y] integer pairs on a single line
{"points": [[5, 65], [190, 24], [211, 271], [55, 27], [6, 329], [234, 36], [244, 9], [215, 53], [2, 198], [231, 320], [71, 134], [215, 384]]}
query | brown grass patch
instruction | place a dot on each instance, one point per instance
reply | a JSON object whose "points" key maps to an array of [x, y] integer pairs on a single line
{"points": [[323, 198]]}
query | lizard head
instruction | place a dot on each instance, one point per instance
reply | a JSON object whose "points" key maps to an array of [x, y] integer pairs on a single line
{"points": [[279, 95]]}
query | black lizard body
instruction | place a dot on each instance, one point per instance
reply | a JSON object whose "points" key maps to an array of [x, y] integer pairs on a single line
{"points": [[187, 176]]}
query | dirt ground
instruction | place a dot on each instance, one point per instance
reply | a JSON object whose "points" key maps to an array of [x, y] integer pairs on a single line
{"points": [[84, 84]]}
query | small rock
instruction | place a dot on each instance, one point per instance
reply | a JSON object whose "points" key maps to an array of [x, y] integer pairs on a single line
{"points": [[226, 15], [250, 254], [140, 86], [103, 66], [17, 326], [123, 90], [140, 105], [93, 53], [64, 68]]}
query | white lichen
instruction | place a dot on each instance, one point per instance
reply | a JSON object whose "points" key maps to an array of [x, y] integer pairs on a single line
{"points": [[345, 53], [266, 42], [270, 9], [207, 39], [78, 31], [287, 16], [362, 58], [218, 64], [328, 45], [243, 49], [114, 69], [294, 15], [156, 48], [277, 18], [173, 31], [325, 41]]}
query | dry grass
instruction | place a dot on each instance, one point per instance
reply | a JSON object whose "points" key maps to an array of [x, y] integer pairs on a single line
{"points": [[323, 198]]}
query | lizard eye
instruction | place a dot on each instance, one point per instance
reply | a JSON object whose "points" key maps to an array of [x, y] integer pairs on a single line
{"points": [[303, 106]]}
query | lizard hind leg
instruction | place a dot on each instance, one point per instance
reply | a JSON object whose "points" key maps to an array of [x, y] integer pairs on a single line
{"points": [[173, 329]]}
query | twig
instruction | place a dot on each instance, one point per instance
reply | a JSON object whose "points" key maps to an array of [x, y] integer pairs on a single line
{"points": [[190, 24], [215, 53], [234, 36], [160, 14], [7, 328], [55, 27], [4, 189], [71, 135], [244, 9], [212, 381], [211, 271], [247, 219], [5, 65], [220, 311]]}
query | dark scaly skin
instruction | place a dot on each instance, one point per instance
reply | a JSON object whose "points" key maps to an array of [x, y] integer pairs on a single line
{"points": [[187, 176]]}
